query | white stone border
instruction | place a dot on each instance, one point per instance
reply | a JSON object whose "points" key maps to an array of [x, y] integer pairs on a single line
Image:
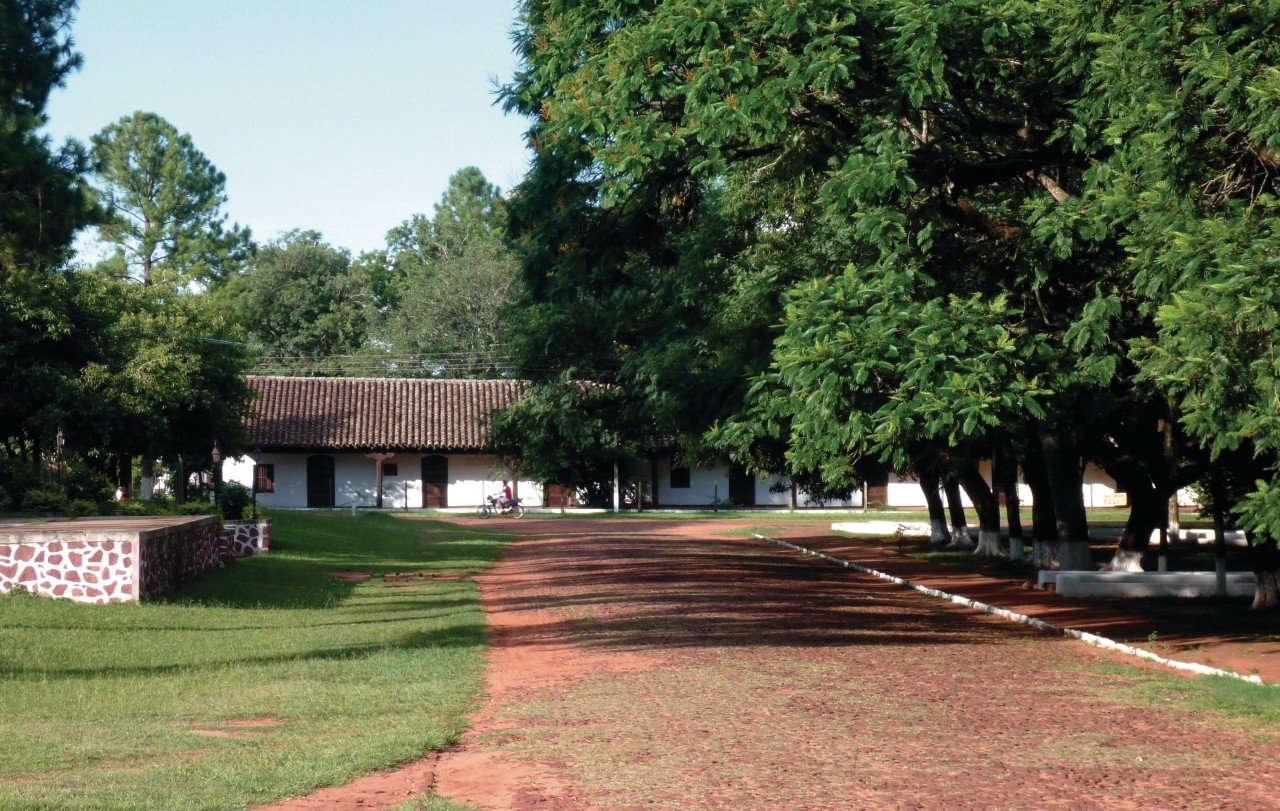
{"points": [[1013, 616]]}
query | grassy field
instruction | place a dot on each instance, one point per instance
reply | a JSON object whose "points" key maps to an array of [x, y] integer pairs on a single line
{"points": [[266, 679]]}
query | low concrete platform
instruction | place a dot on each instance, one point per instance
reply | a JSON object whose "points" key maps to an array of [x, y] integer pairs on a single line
{"points": [[913, 529], [1146, 584]]}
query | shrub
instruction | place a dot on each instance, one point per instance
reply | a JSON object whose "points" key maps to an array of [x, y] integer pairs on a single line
{"points": [[195, 508], [135, 508], [80, 507], [234, 500], [83, 483], [46, 499]]}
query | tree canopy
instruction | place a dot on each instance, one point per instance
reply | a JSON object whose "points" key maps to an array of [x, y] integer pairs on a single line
{"points": [[909, 233]]}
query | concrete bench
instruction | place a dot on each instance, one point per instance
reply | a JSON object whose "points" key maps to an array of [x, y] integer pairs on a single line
{"points": [[1147, 584]]}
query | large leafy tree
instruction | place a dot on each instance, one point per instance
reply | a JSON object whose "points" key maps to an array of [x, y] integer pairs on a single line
{"points": [[307, 306], [452, 278], [1190, 96], [952, 164], [42, 188], [43, 202], [165, 199]]}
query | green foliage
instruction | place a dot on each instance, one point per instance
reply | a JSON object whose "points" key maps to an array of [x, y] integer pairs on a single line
{"points": [[234, 500], [80, 508], [454, 277], [41, 186], [568, 433], [305, 305], [48, 498], [165, 199]]}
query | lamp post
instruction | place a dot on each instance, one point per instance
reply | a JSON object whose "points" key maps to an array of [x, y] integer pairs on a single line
{"points": [[256, 451], [59, 442], [217, 472]]}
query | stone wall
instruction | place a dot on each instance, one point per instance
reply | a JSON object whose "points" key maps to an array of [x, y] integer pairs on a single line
{"points": [[87, 571], [171, 559], [244, 539], [107, 560]]}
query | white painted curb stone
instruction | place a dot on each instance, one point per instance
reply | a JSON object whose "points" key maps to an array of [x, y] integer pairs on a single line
{"points": [[1023, 619]]}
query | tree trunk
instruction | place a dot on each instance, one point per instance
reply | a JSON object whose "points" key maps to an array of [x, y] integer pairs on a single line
{"points": [[1044, 530], [1066, 483], [1219, 545], [124, 476], [959, 525], [1175, 523], [931, 485], [148, 486], [1265, 558], [984, 502], [1146, 512], [1146, 507], [1004, 470]]}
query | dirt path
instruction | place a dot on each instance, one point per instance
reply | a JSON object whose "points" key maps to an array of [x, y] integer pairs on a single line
{"points": [[635, 666]]}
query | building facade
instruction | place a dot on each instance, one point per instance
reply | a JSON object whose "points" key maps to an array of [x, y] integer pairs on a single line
{"points": [[373, 442], [424, 444]]}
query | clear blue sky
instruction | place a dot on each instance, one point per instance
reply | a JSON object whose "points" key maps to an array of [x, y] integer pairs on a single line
{"points": [[345, 116]]}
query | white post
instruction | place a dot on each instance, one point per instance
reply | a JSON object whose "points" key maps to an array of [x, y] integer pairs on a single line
{"points": [[617, 488]]}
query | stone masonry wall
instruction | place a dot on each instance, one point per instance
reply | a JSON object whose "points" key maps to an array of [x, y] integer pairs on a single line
{"points": [[107, 560], [243, 539], [86, 571], [169, 561]]}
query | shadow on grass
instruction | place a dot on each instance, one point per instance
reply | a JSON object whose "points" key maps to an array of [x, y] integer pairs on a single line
{"points": [[464, 635], [308, 548]]}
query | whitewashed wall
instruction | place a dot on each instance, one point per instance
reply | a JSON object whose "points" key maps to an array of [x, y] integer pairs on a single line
{"points": [[471, 478], [707, 484]]}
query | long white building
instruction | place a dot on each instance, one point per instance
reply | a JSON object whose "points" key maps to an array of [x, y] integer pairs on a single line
{"points": [[395, 443]]}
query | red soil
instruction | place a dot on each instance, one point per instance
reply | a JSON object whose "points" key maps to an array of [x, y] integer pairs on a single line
{"points": [[662, 665]]}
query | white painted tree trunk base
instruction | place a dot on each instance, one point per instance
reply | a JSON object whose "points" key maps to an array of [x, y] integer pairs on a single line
{"points": [[960, 538], [1044, 554], [1017, 551], [1073, 556], [1124, 560], [988, 543], [939, 533]]}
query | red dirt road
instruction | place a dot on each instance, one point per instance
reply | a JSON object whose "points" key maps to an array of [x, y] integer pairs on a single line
{"points": [[646, 665]]}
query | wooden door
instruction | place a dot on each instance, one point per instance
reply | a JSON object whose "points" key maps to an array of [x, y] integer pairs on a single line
{"points": [[320, 481], [556, 495], [742, 487], [435, 482]]}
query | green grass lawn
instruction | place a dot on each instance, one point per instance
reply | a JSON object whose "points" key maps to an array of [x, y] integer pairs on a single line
{"points": [[315, 679]]}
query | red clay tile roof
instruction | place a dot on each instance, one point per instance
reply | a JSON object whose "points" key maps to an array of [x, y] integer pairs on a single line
{"points": [[345, 413]]}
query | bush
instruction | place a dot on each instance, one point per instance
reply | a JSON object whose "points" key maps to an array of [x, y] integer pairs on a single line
{"points": [[81, 507], [195, 508], [46, 499], [234, 500], [82, 483], [135, 508]]}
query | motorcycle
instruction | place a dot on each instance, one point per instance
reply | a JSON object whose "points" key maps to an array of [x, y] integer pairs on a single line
{"points": [[496, 505]]}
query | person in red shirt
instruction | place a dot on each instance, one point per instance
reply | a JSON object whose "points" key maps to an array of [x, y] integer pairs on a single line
{"points": [[508, 497]]}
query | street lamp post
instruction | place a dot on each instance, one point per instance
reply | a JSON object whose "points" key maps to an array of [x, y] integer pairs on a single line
{"points": [[59, 442], [256, 451], [217, 472]]}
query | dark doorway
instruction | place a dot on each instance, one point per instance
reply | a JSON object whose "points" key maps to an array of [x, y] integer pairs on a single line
{"points": [[742, 487], [320, 481], [435, 482]]}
